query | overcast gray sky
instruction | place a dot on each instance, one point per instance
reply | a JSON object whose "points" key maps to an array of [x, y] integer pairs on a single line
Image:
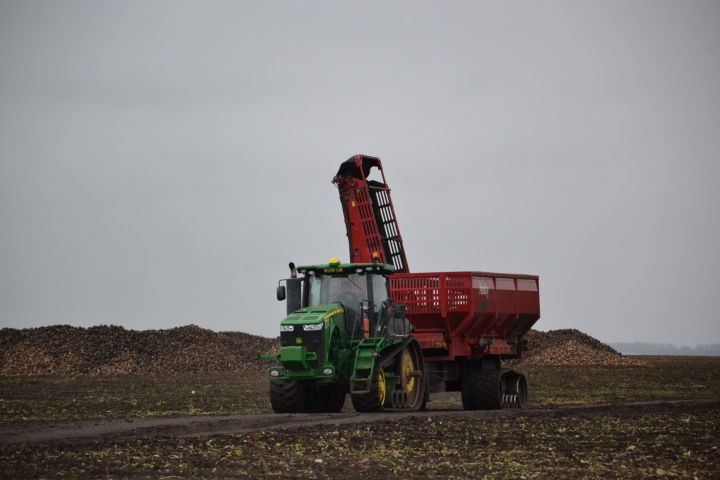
{"points": [[161, 162]]}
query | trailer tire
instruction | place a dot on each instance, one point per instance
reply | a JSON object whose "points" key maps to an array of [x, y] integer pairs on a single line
{"points": [[482, 390], [287, 396], [515, 390]]}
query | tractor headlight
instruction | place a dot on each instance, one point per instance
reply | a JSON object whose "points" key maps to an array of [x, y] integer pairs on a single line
{"points": [[328, 371], [313, 327], [274, 372], [287, 328]]}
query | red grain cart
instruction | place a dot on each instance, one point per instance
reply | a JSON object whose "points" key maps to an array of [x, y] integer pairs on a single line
{"points": [[465, 322], [468, 314]]}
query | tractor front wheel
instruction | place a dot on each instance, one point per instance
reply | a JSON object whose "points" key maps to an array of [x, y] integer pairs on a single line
{"points": [[287, 396]]}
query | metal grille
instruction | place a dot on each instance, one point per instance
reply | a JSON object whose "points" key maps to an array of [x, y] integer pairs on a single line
{"points": [[387, 224], [313, 341]]}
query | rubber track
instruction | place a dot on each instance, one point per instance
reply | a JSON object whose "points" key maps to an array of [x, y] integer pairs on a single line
{"points": [[482, 391], [367, 402]]}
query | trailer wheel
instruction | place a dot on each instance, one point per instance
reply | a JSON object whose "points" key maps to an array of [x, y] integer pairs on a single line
{"points": [[516, 390], [482, 390], [287, 396], [494, 389]]}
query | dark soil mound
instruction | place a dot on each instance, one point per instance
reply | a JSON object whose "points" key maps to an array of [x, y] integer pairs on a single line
{"points": [[66, 350]]}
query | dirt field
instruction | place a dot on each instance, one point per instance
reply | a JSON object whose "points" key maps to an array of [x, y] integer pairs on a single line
{"points": [[45, 398], [565, 433], [652, 440]]}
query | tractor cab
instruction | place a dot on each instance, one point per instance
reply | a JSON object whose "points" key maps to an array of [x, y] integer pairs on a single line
{"points": [[361, 289]]}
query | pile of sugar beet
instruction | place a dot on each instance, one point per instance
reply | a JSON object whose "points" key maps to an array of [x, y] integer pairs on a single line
{"points": [[570, 347], [112, 350]]}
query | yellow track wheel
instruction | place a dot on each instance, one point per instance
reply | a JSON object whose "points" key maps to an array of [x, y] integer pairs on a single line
{"points": [[374, 398], [409, 371], [381, 386]]}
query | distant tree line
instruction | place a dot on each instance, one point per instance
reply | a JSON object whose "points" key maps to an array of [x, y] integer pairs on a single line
{"points": [[643, 348]]}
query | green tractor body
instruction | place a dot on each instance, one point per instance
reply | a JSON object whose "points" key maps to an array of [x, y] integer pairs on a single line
{"points": [[343, 334]]}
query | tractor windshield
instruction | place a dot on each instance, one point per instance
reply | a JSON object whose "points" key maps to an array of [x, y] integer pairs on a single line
{"points": [[349, 290]]}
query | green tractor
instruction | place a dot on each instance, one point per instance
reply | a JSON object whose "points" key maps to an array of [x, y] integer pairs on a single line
{"points": [[343, 334]]}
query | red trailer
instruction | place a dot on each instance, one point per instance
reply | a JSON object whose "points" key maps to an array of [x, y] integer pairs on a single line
{"points": [[468, 314], [465, 322]]}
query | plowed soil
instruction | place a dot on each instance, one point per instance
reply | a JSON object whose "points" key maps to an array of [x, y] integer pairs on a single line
{"points": [[65, 412], [649, 440], [112, 431]]}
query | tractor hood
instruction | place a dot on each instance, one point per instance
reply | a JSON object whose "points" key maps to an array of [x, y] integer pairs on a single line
{"points": [[314, 314]]}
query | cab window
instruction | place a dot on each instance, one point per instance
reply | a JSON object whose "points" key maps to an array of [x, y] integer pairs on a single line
{"points": [[380, 291], [349, 290]]}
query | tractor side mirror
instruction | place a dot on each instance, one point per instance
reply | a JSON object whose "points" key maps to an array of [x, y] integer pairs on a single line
{"points": [[281, 293]]}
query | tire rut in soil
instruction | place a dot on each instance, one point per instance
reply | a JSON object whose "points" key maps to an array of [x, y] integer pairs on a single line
{"points": [[110, 431]]}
